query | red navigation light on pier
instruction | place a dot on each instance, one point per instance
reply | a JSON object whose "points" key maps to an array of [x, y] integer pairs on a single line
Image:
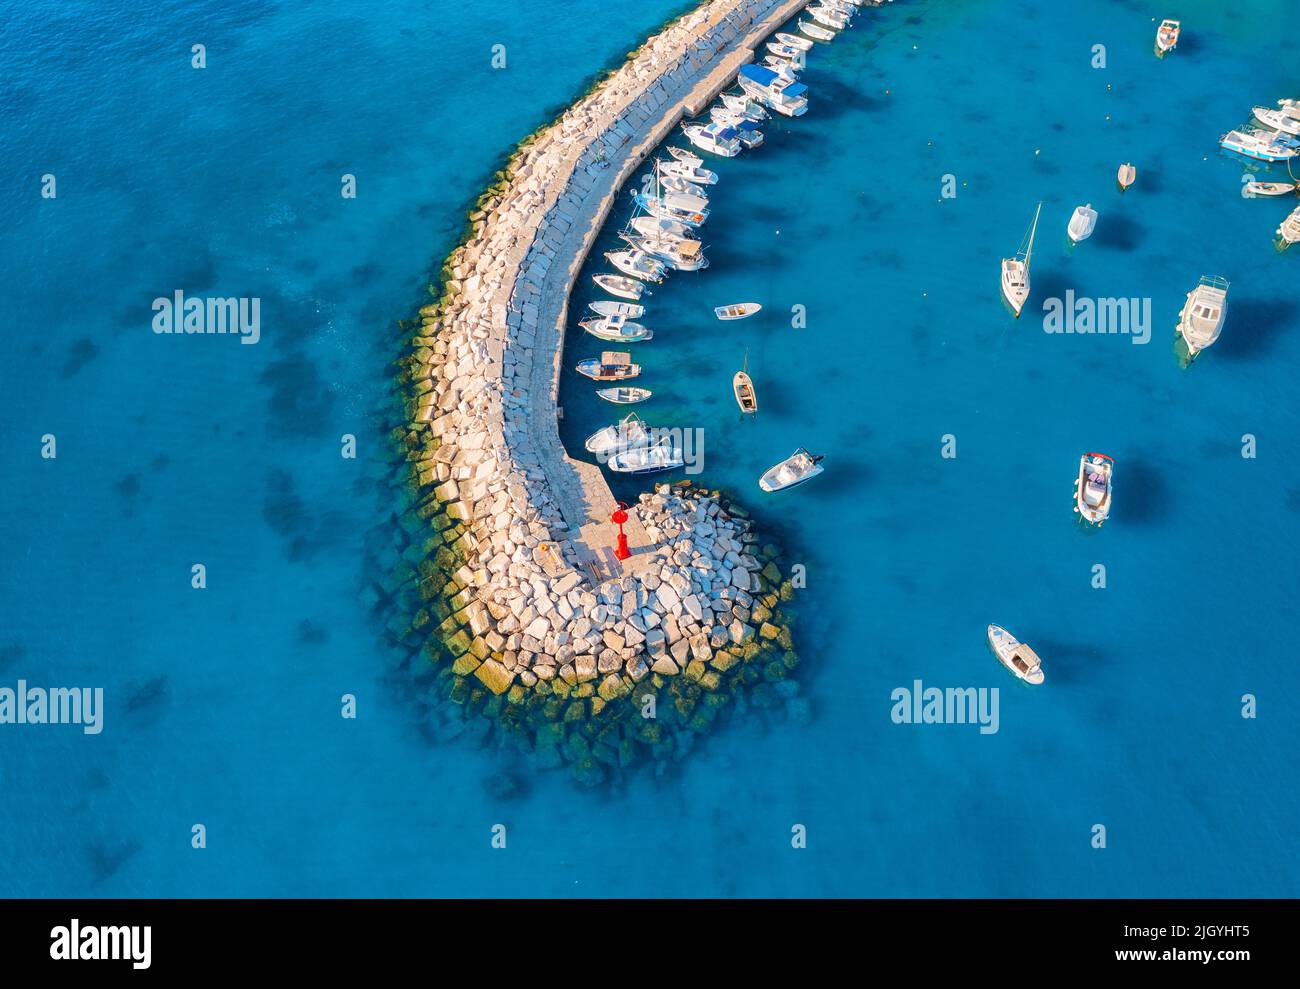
{"points": [[619, 517]]}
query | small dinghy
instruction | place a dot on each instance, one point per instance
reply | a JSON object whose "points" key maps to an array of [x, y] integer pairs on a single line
{"points": [[1167, 36], [638, 264], [738, 310], [816, 31], [691, 173], [744, 105], [794, 41], [1201, 320], [689, 157], [1126, 176], [612, 365], [1252, 188], [620, 285], [743, 387], [624, 396], [616, 329], [1289, 231], [1015, 656], [1082, 223], [795, 469], [1092, 489], [605, 307], [647, 459], [627, 434]]}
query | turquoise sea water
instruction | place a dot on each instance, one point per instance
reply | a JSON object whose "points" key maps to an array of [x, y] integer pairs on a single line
{"points": [[223, 705]]}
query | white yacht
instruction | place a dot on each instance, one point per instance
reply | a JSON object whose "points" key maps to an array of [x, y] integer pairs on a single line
{"points": [[1201, 319], [627, 434], [1015, 271], [647, 459], [714, 138], [1015, 656], [1082, 223], [795, 469], [1092, 489]]}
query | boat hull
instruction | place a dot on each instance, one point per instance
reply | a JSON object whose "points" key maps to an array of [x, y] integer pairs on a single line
{"points": [[1093, 514], [1005, 646]]}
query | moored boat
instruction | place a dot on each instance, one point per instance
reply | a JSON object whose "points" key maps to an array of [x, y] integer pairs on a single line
{"points": [[687, 207], [1092, 489], [624, 395], [690, 158], [787, 98], [1126, 175], [738, 310], [828, 16], [742, 386], [745, 105], [676, 252], [1167, 36], [1082, 223], [1015, 271], [816, 31], [1284, 119], [611, 365], [658, 456], [788, 52], [794, 41], [1253, 188], [1260, 147], [1201, 319], [681, 186], [616, 329], [800, 466], [620, 285], [606, 307], [638, 264], [653, 226], [1289, 231], [691, 173], [1015, 656], [629, 433], [716, 139]]}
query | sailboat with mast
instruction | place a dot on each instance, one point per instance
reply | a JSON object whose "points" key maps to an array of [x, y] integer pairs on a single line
{"points": [[1015, 271]]}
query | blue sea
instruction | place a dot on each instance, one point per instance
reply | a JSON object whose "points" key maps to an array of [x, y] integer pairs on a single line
{"points": [[223, 704]]}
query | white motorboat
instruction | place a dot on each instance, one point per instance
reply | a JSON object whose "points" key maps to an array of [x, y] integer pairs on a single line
{"points": [[1285, 120], [682, 187], [1082, 223], [1015, 271], [795, 469], [638, 264], [627, 434], [786, 52], [625, 395], [742, 386], [611, 365], [794, 41], [1015, 656], [681, 154], [620, 285], [1289, 231], [691, 173], [787, 98], [616, 329], [1167, 36], [1260, 146], [816, 31], [1126, 175], [828, 16], [683, 255], [785, 69], [1202, 315], [1252, 189], [606, 307], [647, 459], [686, 207], [1092, 489], [738, 310], [745, 105], [654, 227], [714, 138]]}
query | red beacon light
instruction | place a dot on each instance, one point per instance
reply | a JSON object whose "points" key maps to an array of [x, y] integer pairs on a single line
{"points": [[619, 517]]}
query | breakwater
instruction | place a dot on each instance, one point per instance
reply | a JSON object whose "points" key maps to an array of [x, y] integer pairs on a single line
{"points": [[509, 579]]}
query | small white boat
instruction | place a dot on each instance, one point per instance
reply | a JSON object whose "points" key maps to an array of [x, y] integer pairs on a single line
{"points": [[787, 70], [1092, 489], [624, 395], [1253, 188], [795, 469], [616, 329], [788, 52], [682, 187], [1260, 147], [647, 459], [794, 41], [605, 307], [638, 264], [1202, 315], [713, 138], [609, 366], [1167, 36], [1289, 231], [682, 155], [738, 310], [676, 252], [629, 433], [1015, 656], [1126, 175], [620, 285], [745, 105], [1015, 271], [816, 31], [653, 226], [691, 173], [1082, 223], [828, 17], [742, 386], [1286, 120]]}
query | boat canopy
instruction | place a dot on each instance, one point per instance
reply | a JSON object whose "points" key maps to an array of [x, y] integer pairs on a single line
{"points": [[756, 73], [794, 90]]}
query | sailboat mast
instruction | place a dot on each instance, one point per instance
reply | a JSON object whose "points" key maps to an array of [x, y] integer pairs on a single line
{"points": [[1032, 230]]}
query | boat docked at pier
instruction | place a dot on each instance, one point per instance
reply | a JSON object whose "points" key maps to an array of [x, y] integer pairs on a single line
{"points": [[745, 105], [638, 264], [616, 329], [816, 31], [624, 395], [1285, 119], [1082, 223], [785, 97], [626, 434], [794, 41], [800, 466], [1289, 231], [681, 186], [686, 207], [1201, 320], [688, 172], [620, 285], [610, 366], [1092, 489], [653, 226], [1253, 188], [1015, 656], [1167, 36], [737, 310], [789, 53], [828, 16], [1015, 270], [606, 307], [717, 139], [676, 252], [1260, 146], [661, 455], [689, 157]]}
